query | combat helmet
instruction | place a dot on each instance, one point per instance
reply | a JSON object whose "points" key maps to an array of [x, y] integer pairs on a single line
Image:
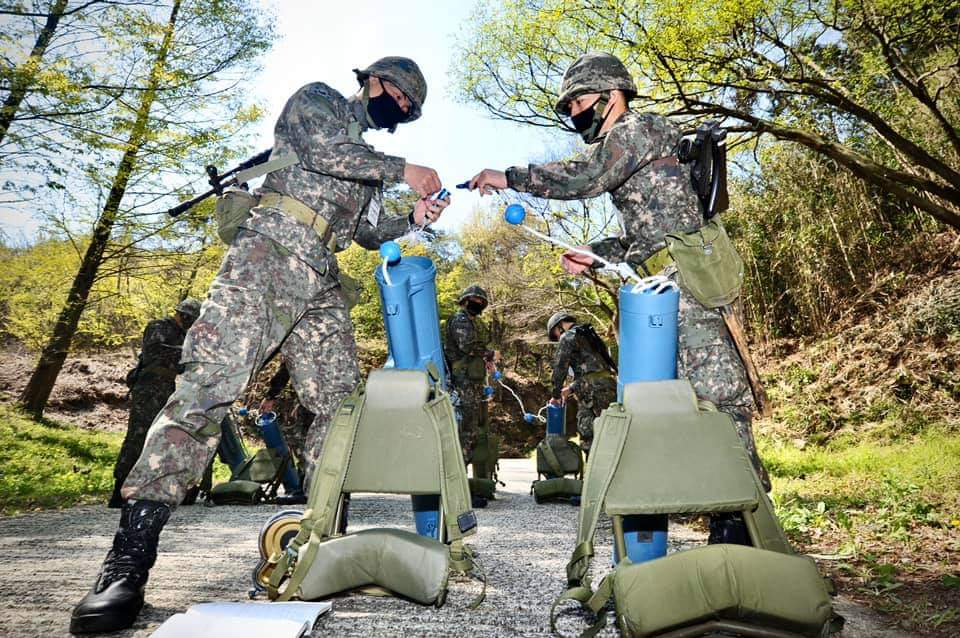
{"points": [[405, 74], [474, 290], [189, 307], [555, 320], [594, 73]]}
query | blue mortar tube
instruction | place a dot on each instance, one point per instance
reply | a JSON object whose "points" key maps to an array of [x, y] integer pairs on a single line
{"points": [[270, 430], [408, 303], [648, 352], [556, 420]]}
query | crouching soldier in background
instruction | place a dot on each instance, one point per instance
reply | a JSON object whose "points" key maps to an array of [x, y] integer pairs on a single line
{"points": [[580, 348], [151, 383]]}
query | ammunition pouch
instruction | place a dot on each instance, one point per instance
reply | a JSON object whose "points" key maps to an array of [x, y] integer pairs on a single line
{"points": [[708, 264], [351, 289], [232, 209], [715, 590], [475, 369], [556, 489], [237, 492], [401, 562]]}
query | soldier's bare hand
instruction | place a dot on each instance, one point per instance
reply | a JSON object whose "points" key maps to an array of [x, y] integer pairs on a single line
{"points": [[427, 210], [556, 402], [576, 263], [267, 405], [565, 393], [489, 180], [422, 179]]}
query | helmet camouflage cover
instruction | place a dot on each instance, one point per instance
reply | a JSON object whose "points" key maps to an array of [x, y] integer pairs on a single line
{"points": [[189, 306], [555, 320], [405, 74], [474, 291], [594, 73]]}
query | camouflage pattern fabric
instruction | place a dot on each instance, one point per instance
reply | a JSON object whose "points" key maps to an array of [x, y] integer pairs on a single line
{"points": [[593, 397], [339, 176], [160, 355], [593, 73], [465, 344], [277, 288], [295, 423], [594, 384], [652, 200]]}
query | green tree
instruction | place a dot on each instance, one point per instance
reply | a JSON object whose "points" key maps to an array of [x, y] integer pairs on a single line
{"points": [[870, 84], [187, 103]]}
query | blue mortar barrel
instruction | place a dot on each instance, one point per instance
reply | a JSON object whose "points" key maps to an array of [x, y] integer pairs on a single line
{"points": [[648, 352], [412, 322], [556, 420], [410, 314], [272, 436]]}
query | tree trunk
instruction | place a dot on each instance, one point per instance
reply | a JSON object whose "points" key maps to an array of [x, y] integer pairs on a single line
{"points": [[35, 395], [23, 76]]}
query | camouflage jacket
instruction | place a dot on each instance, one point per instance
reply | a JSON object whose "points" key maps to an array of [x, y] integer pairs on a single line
{"points": [[160, 350], [466, 342], [339, 176], [651, 199], [575, 351]]}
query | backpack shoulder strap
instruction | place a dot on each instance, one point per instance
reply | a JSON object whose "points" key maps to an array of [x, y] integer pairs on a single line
{"points": [[270, 166], [459, 519], [550, 456], [319, 517], [604, 458]]}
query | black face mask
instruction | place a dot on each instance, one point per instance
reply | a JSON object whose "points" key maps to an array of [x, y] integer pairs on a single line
{"points": [[474, 307], [385, 112], [588, 122]]}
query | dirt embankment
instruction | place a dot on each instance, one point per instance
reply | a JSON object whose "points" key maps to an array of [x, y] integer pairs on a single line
{"points": [[89, 393]]}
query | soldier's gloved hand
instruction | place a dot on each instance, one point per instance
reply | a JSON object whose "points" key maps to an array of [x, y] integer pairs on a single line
{"points": [[422, 179], [427, 210], [489, 180], [575, 263]]}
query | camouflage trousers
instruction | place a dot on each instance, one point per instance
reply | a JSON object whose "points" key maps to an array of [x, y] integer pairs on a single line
{"points": [[708, 359], [593, 397], [146, 401], [262, 299], [473, 411]]}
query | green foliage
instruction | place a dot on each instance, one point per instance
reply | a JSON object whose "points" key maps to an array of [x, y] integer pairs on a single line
{"points": [[46, 464], [34, 282]]}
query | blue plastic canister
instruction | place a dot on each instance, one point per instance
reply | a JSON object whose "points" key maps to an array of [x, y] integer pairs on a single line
{"points": [[648, 352], [274, 440], [648, 334], [410, 314], [556, 420], [412, 321]]}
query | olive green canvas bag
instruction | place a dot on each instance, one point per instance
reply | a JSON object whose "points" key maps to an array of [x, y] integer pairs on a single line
{"points": [[708, 263]]}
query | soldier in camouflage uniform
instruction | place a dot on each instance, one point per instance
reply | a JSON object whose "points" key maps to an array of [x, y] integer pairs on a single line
{"points": [[277, 289], [151, 384], [467, 348], [594, 380], [633, 158]]}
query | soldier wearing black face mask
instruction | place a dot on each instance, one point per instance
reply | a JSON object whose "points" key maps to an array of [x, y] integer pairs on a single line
{"points": [[467, 347]]}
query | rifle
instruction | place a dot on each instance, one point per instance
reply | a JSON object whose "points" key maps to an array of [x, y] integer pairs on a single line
{"points": [[220, 181]]}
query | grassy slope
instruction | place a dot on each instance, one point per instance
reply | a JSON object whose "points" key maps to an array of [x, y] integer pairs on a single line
{"points": [[45, 464], [865, 452]]}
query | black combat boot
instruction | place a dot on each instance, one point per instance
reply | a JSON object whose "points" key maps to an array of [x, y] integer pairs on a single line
{"points": [[116, 500], [116, 598]]}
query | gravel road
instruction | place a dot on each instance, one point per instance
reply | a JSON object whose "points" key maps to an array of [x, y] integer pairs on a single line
{"points": [[49, 559]]}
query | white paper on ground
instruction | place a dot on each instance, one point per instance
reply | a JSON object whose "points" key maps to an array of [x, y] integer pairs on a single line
{"points": [[238, 620]]}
